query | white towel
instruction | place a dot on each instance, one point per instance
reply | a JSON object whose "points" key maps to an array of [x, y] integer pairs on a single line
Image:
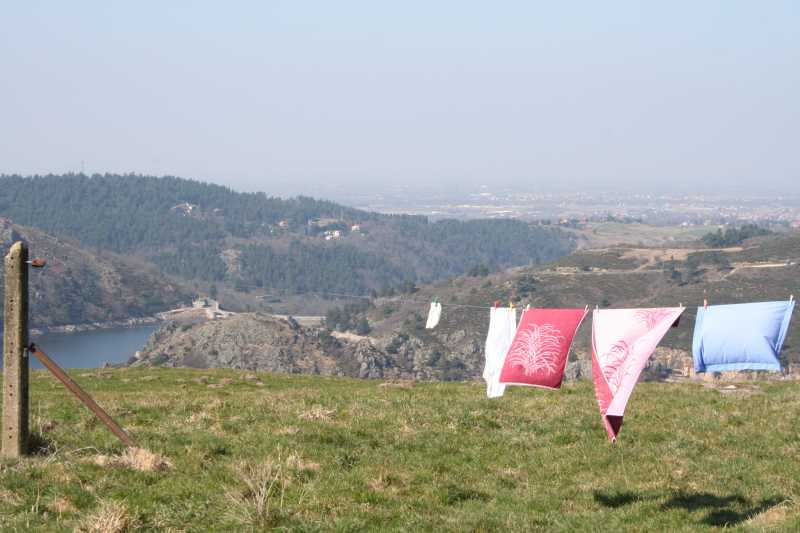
{"points": [[433, 315], [502, 327]]}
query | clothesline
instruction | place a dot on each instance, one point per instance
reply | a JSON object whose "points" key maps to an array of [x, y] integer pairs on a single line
{"points": [[703, 303], [366, 297]]}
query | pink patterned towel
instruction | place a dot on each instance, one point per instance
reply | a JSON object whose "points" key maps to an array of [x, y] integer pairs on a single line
{"points": [[538, 355], [622, 342]]}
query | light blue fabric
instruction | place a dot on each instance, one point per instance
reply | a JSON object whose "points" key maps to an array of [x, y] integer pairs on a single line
{"points": [[740, 336]]}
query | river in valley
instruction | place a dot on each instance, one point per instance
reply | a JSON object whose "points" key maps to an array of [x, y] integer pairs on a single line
{"points": [[91, 349]]}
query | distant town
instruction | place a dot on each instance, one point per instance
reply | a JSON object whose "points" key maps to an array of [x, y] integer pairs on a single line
{"points": [[578, 208]]}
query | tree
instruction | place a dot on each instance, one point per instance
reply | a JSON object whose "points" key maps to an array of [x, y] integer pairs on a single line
{"points": [[362, 327], [479, 270]]}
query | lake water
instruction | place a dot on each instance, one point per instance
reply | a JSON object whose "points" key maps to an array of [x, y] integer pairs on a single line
{"points": [[91, 349]]}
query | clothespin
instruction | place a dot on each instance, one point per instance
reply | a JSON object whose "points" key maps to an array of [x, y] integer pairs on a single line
{"points": [[496, 304], [791, 297], [510, 304], [705, 299], [528, 307], [677, 320]]}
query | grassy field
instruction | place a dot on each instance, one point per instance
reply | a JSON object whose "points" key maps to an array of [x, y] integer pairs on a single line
{"points": [[604, 234], [247, 452]]}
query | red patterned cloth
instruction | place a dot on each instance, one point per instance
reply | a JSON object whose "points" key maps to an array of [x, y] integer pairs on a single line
{"points": [[538, 355]]}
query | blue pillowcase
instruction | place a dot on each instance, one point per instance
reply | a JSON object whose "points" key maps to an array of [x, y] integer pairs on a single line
{"points": [[740, 336]]}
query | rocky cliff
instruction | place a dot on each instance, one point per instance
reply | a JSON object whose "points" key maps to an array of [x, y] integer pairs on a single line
{"points": [[254, 341]]}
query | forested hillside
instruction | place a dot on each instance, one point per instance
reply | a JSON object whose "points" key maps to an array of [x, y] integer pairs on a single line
{"points": [[135, 213], [253, 242], [79, 286]]}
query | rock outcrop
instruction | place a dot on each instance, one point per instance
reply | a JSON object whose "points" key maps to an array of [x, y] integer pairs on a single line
{"points": [[254, 341]]}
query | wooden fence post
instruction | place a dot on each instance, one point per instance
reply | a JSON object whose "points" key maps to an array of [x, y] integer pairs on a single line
{"points": [[15, 356]]}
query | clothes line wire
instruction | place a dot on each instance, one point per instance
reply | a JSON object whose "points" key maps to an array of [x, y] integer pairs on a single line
{"points": [[444, 304], [365, 297]]}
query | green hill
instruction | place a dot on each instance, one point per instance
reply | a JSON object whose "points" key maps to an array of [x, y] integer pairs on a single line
{"points": [[256, 243], [247, 452]]}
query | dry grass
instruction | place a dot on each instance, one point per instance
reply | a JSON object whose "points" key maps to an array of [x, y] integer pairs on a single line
{"points": [[135, 458], [770, 519], [397, 384], [62, 505], [387, 481], [109, 517], [198, 417], [259, 499], [297, 464], [317, 413], [736, 390], [9, 497]]}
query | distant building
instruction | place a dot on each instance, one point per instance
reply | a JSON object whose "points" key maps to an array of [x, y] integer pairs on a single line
{"points": [[205, 303], [322, 222], [332, 234], [211, 307], [185, 208]]}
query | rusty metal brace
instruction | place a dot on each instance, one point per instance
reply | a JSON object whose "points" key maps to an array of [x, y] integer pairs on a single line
{"points": [[87, 400]]}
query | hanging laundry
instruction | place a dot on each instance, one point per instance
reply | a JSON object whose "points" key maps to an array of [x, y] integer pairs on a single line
{"points": [[740, 336], [622, 342], [538, 354], [434, 314], [502, 327]]}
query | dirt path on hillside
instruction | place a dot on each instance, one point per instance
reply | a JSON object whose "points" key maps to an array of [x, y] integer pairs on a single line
{"points": [[648, 268], [743, 266]]}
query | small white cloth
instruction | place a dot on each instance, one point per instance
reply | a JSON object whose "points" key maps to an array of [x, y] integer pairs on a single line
{"points": [[433, 315], [502, 328]]}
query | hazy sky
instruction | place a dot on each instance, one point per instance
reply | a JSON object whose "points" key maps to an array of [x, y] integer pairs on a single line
{"points": [[302, 96]]}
